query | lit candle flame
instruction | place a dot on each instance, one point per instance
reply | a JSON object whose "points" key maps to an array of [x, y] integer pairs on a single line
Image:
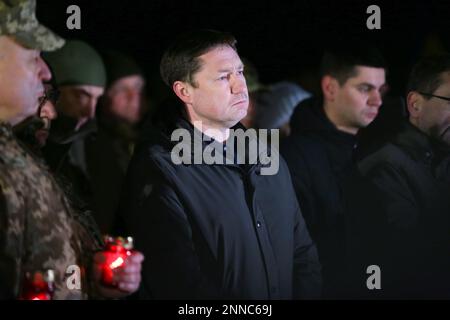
{"points": [[116, 263]]}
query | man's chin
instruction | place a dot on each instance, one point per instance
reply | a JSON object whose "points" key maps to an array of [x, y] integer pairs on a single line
{"points": [[370, 117]]}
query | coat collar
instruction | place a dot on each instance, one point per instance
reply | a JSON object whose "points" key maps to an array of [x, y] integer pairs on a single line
{"points": [[419, 145], [236, 158]]}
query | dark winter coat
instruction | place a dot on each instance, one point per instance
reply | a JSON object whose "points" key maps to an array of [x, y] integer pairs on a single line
{"points": [[406, 211], [319, 156], [214, 231]]}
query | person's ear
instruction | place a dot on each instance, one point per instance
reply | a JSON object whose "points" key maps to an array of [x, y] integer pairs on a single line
{"points": [[183, 91], [414, 103], [329, 87]]}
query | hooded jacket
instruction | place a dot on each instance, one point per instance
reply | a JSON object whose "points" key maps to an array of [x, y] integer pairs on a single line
{"points": [[319, 156]]}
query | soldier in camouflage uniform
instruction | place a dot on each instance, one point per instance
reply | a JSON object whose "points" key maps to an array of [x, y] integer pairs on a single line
{"points": [[38, 228]]}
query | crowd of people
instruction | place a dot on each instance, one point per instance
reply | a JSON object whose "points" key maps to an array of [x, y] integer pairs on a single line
{"points": [[82, 156]]}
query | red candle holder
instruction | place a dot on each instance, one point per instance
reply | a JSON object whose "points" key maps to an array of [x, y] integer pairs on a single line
{"points": [[38, 285], [116, 252]]}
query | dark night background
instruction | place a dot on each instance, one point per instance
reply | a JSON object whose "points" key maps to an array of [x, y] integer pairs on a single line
{"points": [[284, 39]]}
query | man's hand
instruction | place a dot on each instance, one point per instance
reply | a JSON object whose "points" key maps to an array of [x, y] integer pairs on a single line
{"points": [[127, 277]]}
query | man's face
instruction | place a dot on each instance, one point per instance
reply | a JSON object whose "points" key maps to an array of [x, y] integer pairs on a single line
{"points": [[22, 72], [357, 101], [47, 113], [220, 98], [79, 102], [124, 98], [434, 118]]}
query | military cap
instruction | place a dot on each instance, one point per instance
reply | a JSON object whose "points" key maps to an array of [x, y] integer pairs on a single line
{"points": [[77, 63], [18, 20]]}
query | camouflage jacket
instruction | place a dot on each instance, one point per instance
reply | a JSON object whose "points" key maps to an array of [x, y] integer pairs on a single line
{"points": [[38, 229]]}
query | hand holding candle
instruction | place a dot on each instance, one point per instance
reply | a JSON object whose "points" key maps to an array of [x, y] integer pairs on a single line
{"points": [[118, 268], [38, 285]]}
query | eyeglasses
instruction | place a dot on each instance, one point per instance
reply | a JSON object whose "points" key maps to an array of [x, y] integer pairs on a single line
{"points": [[434, 96], [51, 95]]}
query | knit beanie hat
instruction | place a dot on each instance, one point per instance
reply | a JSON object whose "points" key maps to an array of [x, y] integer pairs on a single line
{"points": [[119, 65], [77, 63]]}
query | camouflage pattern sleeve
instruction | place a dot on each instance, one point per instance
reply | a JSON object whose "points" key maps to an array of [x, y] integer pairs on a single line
{"points": [[38, 231], [10, 232]]}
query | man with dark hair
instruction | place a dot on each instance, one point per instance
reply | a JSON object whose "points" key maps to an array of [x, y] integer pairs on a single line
{"points": [[410, 179], [320, 149], [178, 63], [339, 60], [214, 231]]}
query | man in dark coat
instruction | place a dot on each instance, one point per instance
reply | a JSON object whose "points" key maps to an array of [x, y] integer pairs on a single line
{"points": [[227, 229], [410, 179], [320, 150]]}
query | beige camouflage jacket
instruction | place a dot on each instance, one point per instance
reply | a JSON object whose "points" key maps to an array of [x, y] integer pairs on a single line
{"points": [[38, 231]]}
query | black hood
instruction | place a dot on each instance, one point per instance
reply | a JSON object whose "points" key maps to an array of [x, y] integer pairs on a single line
{"points": [[157, 128], [310, 117]]}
